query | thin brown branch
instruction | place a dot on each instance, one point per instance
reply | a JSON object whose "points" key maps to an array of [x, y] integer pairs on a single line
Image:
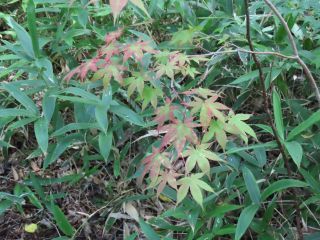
{"points": [[277, 54], [268, 111], [305, 68]]}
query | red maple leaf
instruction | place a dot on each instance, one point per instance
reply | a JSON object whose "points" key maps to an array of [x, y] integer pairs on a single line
{"points": [[107, 52], [153, 162], [178, 133], [137, 50], [113, 36], [165, 112], [167, 177], [82, 70]]}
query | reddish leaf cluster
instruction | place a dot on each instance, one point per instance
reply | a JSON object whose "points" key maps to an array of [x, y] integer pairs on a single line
{"points": [[178, 118]]}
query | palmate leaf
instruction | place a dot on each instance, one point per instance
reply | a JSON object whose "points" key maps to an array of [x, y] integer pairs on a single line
{"points": [[165, 112], [166, 177], [150, 96], [200, 155], [237, 126], [195, 185], [201, 92], [178, 133], [153, 163], [167, 69], [217, 130], [208, 109], [136, 83], [108, 71], [137, 50]]}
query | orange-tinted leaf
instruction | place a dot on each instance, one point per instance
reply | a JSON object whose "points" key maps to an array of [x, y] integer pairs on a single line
{"points": [[153, 162], [168, 177], [165, 112], [137, 50], [113, 36], [179, 133]]}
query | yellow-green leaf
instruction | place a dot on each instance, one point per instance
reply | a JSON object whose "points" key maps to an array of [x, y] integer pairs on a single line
{"points": [[31, 228]]}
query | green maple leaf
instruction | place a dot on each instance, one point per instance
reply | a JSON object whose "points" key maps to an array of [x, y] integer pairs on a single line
{"points": [[167, 69], [150, 96], [200, 155], [208, 109], [201, 92], [136, 82], [191, 71], [184, 37], [217, 130], [195, 185], [108, 71], [237, 126]]}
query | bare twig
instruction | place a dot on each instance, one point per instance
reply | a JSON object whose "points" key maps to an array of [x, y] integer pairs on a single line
{"points": [[267, 109], [277, 54], [305, 68]]}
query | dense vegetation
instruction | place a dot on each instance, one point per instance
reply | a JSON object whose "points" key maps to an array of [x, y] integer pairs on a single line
{"points": [[159, 119]]}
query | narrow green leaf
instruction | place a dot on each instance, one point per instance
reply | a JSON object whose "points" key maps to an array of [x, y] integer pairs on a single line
{"points": [[73, 127], [41, 132], [281, 185], [268, 145], [313, 119], [23, 37], [229, 7], [295, 150], [83, 17], [14, 112], [4, 205], [82, 93], [60, 147], [220, 210], [48, 104], [127, 114], [148, 231], [105, 144], [101, 117], [278, 113], [62, 221], [31, 19], [314, 184], [78, 100], [21, 123], [255, 74], [4, 144], [140, 5], [245, 220], [46, 70], [251, 185], [21, 97]]}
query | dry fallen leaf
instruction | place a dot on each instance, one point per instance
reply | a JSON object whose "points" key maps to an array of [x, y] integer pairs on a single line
{"points": [[131, 211]]}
